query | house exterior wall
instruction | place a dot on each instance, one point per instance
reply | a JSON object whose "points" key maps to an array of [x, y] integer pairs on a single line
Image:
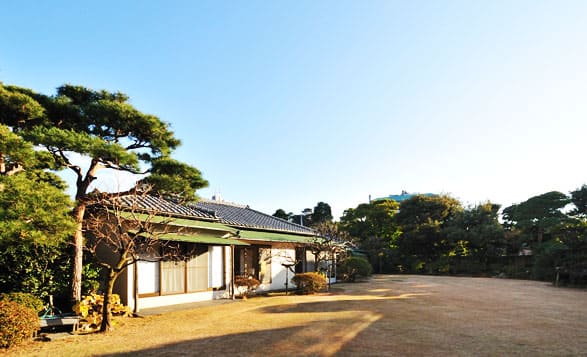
{"points": [[123, 288], [219, 279], [166, 300], [280, 254]]}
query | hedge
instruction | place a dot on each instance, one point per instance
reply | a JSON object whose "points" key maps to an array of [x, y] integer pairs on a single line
{"points": [[17, 323], [353, 267], [24, 299], [309, 283]]}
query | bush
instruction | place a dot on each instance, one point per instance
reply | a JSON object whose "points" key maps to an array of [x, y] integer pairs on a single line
{"points": [[309, 283], [246, 285], [24, 299], [17, 323], [353, 267]]}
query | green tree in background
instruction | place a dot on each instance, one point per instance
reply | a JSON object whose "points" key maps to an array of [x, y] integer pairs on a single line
{"points": [[305, 218], [476, 233], [539, 225], [579, 199], [322, 213], [106, 131], [310, 218], [373, 226], [538, 218], [280, 213], [424, 241], [34, 218]]}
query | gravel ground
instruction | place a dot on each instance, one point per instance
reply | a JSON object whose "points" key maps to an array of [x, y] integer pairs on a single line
{"points": [[389, 315]]}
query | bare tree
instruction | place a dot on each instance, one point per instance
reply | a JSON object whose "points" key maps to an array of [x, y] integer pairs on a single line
{"points": [[328, 243], [120, 232]]}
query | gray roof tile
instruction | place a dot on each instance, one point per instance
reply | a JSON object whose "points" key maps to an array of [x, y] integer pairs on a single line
{"points": [[228, 213], [160, 205], [245, 217]]}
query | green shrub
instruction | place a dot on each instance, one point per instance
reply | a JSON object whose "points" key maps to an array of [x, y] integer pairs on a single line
{"points": [[17, 323], [24, 299], [309, 283], [353, 267], [91, 274]]}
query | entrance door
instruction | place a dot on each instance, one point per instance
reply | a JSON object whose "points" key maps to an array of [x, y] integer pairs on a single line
{"points": [[300, 260]]}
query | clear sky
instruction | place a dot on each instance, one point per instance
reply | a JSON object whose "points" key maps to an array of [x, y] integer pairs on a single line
{"points": [[282, 104]]}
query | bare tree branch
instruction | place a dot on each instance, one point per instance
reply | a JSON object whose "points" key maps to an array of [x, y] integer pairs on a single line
{"points": [[127, 231]]}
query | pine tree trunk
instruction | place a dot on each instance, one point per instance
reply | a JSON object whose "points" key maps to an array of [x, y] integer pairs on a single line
{"points": [[78, 241]]}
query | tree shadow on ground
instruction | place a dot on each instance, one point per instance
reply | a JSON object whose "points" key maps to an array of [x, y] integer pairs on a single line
{"points": [[395, 316], [325, 327], [280, 341]]}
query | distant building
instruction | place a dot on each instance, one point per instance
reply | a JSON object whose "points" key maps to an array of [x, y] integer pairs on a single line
{"points": [[404, 196]]}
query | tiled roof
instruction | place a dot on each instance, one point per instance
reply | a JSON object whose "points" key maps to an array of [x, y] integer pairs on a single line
{"points": [[245, 217], [160, 205], [230, 214]]}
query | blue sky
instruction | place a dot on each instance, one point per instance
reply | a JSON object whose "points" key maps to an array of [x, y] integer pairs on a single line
{"points": [[282, 104]]}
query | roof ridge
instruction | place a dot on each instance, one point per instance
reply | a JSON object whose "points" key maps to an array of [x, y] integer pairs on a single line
{"points": [[243, 216], [281, 219], [226, 203]]}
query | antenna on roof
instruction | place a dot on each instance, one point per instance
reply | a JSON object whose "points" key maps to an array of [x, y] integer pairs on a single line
{"points": [[217, 196]]}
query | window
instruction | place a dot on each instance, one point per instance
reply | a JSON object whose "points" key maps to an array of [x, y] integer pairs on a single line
{"points": [[197, 270], [254, 262], [245, 261], [173, 277], [148, 274], [203, 269]]}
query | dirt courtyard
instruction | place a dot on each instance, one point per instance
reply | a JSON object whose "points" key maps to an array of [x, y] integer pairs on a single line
{"points": [[390, 315]]}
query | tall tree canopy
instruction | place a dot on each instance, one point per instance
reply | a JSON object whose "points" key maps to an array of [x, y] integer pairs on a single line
{"points": [[105, 129], [34, 218], [579, 199], [476, 232], [373, 226], [537, 217], [308, 217], [422, 221], [322, 213], [280, 213]]}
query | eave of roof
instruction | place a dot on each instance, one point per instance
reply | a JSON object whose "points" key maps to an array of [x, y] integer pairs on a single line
{"points": [[202, 238], [274, 237]]}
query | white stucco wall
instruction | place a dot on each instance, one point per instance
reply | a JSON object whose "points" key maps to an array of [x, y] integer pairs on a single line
{"points": [[216, 267], [165, 300], [280, 253]]}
